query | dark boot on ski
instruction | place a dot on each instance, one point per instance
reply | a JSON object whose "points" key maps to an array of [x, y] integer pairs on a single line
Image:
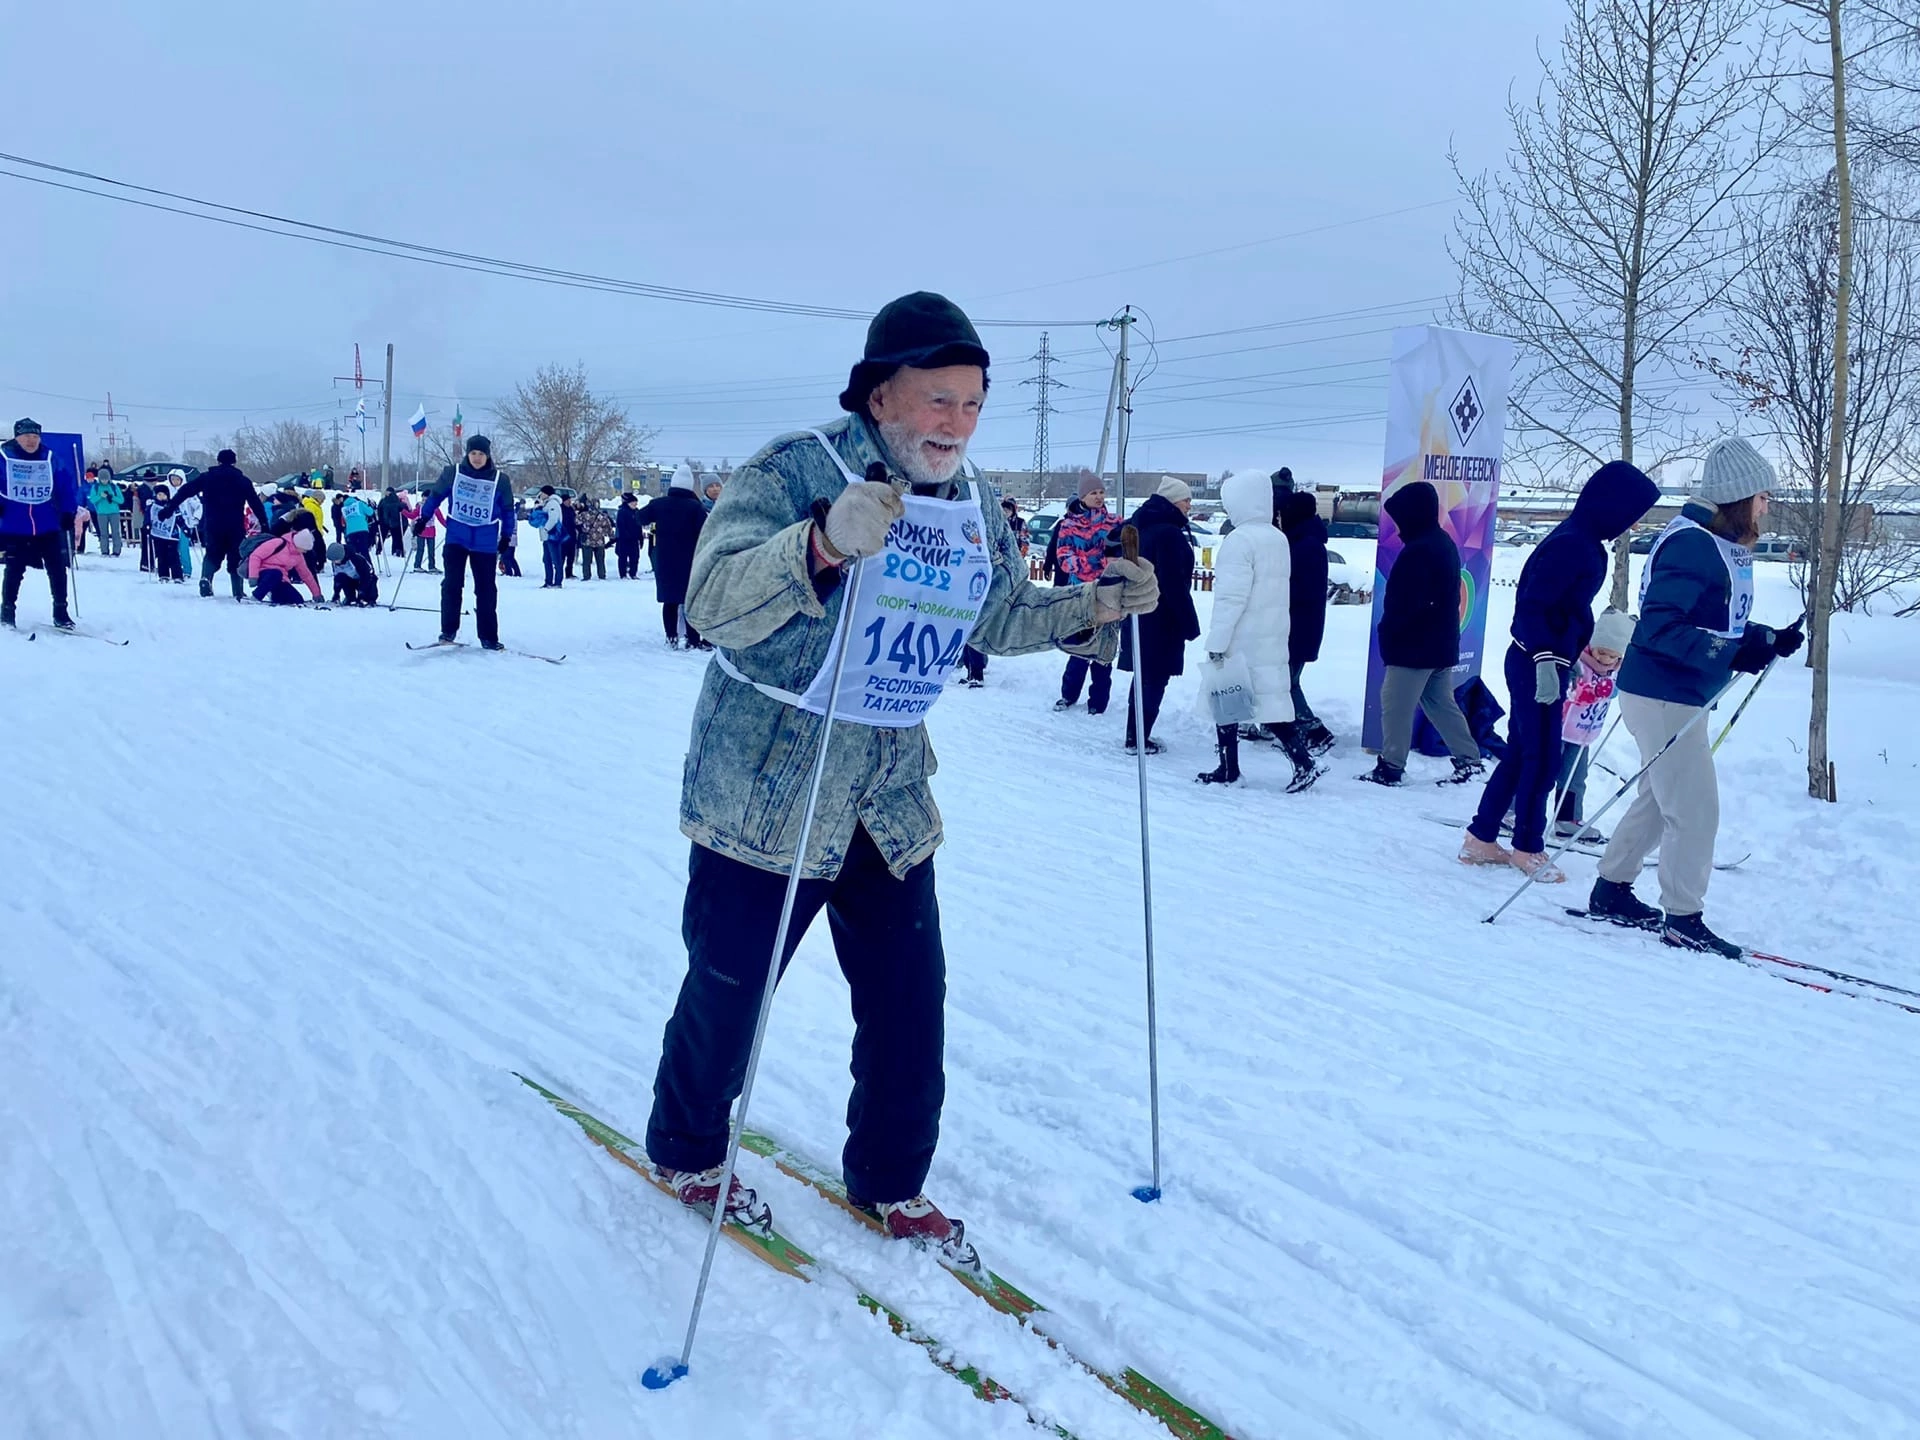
{"points": [[1463, 771], [1690, 932], [1384, 774], [699, 1189], [491, 645], [447, 638], [63, 621], [6, 617], [1615, 901], [920, 1222], [1319, 738]]}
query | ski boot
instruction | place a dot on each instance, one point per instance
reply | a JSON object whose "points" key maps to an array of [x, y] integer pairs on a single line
{"points": [[1690, 932], [920, 1222], [1578, 833], [1292, 738], [1535, 865], [1319, 737], [1154, 747], [1463, 771], [62, 620], [447, 638], [491, 645], [6, 617], [1614, 901], [698, 1189], [1475, 851]]}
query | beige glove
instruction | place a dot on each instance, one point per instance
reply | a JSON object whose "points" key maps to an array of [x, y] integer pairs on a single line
{"points": [[1126, 587], [859, 519]]}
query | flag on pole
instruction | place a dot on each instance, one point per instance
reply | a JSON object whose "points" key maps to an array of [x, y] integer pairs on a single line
{"points": [[418, 424], [360, 415], [459, 421]]}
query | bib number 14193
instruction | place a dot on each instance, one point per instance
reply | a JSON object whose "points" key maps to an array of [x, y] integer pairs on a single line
{"points": [[915, 646]]}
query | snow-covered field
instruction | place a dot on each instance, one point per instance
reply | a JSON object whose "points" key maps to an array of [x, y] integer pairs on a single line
{"points": [[285, 904]]}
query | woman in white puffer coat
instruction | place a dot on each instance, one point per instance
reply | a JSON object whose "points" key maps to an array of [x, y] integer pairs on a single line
{"points": [[1252, 575]]}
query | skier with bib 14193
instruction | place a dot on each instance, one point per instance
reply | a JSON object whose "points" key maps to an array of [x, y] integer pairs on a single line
{"points": [[874, 505]]}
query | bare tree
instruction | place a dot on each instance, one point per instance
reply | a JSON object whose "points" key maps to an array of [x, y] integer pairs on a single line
{"points": [[1781, 316], [281, 448], [1604, 240], [566, 434]]}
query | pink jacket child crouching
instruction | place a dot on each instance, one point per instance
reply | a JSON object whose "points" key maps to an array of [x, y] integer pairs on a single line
{"points": [[274, 566]]}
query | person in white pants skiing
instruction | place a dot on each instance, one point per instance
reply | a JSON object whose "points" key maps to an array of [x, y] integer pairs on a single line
{"points": [[873, 504]]}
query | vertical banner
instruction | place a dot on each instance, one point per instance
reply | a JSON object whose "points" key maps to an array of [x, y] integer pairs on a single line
{"points": [[1446, 423], [68, 453]]}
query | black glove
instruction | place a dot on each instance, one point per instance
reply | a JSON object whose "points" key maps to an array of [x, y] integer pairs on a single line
{"points": [[1786, 641], [1755, 651]]}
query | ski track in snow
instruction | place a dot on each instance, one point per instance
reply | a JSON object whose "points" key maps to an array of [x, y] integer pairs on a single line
{"points": [[285, 904]]}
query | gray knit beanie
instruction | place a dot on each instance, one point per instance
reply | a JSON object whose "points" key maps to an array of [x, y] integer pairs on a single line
{"points": [[1733, 472]]}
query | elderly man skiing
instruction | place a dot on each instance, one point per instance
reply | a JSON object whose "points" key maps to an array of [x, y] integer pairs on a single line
{"points": [[875, 506]]}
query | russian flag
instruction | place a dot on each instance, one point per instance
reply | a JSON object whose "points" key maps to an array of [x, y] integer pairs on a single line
{"points": [[419, 421]]}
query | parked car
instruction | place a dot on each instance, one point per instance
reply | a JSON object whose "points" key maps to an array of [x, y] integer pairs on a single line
{"points": [[1352, 530], [1779, 549], [1642, 543], [153, 471]]}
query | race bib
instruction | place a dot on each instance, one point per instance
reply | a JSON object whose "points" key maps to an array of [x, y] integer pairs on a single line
{"points": [[1739, 562], [167, 529], [471, 502], [29, 482], [914, 605]]}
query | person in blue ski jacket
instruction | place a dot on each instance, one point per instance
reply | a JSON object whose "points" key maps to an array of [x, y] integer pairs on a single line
{"points": [[473, 489], [1552, 623], [38, 500], [1695, 633]]}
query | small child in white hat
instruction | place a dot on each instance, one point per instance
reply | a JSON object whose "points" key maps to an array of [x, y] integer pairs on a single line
{"points": [[1589, 698]]}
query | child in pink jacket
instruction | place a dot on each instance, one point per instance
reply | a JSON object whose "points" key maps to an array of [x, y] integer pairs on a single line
{"points": [[274, 566]]}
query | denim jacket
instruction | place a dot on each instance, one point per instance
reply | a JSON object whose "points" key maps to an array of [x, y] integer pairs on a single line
{"points": [[750, 763]]}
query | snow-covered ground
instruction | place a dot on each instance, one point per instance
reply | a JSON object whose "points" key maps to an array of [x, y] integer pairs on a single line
{"points": [[285, 904]]}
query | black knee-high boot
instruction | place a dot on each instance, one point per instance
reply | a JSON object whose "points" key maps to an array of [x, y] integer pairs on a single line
{"points": [[1227, 772]]}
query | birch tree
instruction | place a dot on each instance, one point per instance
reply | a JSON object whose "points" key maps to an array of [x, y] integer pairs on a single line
{"points": [[1602, 244]]}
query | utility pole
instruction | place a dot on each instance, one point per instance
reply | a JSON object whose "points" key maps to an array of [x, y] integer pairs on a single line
{"points": [[1120, 405], [1042, 408], [113, 434], [386, 438]]}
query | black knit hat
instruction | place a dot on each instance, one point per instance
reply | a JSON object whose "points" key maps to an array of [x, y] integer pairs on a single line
{"points": [[226, 457], [480, 443], [25, 427], [923, 330]]}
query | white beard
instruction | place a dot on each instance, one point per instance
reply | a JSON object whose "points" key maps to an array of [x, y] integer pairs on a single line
{"points": [[920, 465]]}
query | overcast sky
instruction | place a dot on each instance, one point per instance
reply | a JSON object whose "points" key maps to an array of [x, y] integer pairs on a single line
{"points": [[1013, 156]]}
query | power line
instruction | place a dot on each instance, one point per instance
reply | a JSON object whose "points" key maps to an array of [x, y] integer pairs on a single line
{"points": [[266, 223]]}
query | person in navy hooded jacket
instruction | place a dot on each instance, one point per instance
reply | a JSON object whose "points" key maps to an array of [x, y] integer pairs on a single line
{"points": [[1552, 623], [479, 501], [37, 504]]}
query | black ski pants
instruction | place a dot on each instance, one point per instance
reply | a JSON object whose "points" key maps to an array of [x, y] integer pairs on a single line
{"points": [[222, 550], [886, 933], [50, 550], [486, 595], [1075, 676], [1154, 690]]}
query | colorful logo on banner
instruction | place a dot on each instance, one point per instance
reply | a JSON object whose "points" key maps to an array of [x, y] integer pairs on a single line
{"points": [[1446, 424]]}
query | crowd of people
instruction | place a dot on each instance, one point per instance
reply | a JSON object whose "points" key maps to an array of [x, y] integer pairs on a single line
{"points": [[776, 582]]}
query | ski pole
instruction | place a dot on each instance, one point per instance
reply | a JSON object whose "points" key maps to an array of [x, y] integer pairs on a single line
{"points": [[664, 1372], [1748, 699], [1620, 794], [73, 581], [1145, 1194], [399, 585]]}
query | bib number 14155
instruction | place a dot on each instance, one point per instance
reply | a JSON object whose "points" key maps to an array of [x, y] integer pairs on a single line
{"points": [[915, 646]]}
